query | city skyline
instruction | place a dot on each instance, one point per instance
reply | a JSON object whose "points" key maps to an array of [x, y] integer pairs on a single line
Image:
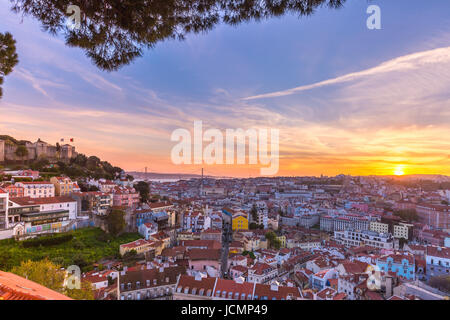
{"points": [[347, 100]]}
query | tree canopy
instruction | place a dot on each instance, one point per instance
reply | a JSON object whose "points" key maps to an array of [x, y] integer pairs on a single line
{"points": [[144, 190], [51, 275], [8, 56], [116, 222], [113, 33]]}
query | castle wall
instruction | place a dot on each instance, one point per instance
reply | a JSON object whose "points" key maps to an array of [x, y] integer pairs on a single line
{"points": [[35, 150], [2, 151]]}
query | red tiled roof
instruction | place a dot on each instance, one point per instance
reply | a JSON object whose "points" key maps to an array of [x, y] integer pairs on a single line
{"points": [[13, 287], [204, 254], [27, 201]]}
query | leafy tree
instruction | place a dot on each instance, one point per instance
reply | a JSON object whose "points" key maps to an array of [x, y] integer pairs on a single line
{"points": [[116, 222], [40, 163], [8, 56], [51, 275], [93, 163], [249, 253], [276, 244], [253, 226], [80, 160], [86, 292], [144, 190], [43, 272], [270, 235], [22, 152], [113, 33]]}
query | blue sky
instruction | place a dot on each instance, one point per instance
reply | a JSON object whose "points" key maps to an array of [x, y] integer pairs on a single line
{"points": [[369, 122]]}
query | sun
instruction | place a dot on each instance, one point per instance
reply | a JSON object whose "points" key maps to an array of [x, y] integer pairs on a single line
{"points": [[399, 170]]}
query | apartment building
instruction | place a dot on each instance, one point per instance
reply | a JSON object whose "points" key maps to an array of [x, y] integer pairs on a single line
{"points": [[37, 189], [353, 238]]}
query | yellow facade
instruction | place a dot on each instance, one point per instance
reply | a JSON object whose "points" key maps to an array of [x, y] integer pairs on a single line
{"points": [[282, 240], [240, 223], [63, 186]]}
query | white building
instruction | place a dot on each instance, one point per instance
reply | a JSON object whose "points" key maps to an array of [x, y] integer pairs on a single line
{"points": [[4, 197], [37, 189], [354, 238]]}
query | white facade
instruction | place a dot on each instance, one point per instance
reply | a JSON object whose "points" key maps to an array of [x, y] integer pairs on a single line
{"points": [[71, 206], [4, 197], [351, 238], [37, 189]]}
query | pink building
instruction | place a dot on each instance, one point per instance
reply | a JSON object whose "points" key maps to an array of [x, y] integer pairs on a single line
{"points": [[436, 216], [125, 197], [200, 259]]}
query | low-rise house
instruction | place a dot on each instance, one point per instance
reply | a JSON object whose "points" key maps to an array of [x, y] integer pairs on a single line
{"points": [[438, 261], [148, 229], [261, 273], [319, 280], [403, 265], [204, 259], [149, 284]]}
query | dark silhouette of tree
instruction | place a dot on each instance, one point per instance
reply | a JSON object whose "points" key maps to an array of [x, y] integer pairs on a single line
{"points": [[116, 222], [254, 213], [144, 190], [22, 152], [114, 32], [8, 56]]}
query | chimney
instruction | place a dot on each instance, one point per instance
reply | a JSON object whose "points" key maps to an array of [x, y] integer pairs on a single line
{"points": [[274, 287]]}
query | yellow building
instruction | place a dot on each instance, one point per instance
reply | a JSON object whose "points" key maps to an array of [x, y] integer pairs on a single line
{"points": [[63, 185], [282, 240], [240, 222]]}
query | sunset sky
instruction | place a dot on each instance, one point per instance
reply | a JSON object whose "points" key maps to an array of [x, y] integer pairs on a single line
{"points": [[345, 99]]}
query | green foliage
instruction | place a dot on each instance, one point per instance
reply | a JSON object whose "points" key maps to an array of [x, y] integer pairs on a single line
{"points": [[114, 33], [116, 222], [43, 272], [273, 241], [144, 190], [21, 152], [47, 241], [8, 56], [51, 276], [249, 253], [95, 244]]}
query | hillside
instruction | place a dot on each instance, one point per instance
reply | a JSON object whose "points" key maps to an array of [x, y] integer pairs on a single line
{"points": [[55, 160]]}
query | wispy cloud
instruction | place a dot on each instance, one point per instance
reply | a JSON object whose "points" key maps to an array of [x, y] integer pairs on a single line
{"points": [[409, 62]]}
